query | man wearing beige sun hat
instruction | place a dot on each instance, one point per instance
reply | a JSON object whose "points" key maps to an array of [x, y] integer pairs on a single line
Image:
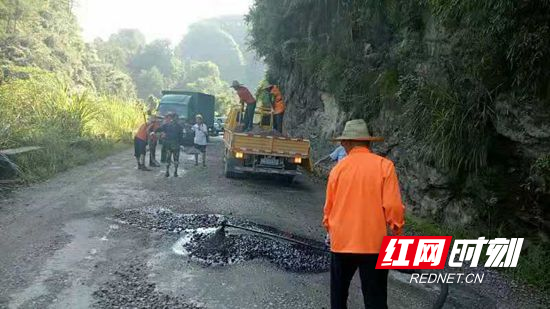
{"points": [[362, 199]]}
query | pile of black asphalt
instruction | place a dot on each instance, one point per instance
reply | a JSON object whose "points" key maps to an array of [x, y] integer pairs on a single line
{"points": [[200, 243]]}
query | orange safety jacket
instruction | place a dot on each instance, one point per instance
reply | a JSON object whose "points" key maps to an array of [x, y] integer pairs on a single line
{"points": [[142, 132], [152, 128], [278, 104], [362, 198]]}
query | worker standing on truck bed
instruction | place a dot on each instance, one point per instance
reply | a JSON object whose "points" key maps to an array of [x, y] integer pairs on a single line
{"points": [[245, 97], [173, 136], [278, 106], [362, 199]]}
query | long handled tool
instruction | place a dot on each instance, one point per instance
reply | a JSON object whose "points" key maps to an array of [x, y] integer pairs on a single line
{"points": [[219, 236], [218, 240]]}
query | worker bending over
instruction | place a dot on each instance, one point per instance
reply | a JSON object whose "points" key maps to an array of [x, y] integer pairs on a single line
{"points": [[246, 97], [337, 155], [362, 199], [140, 145]]}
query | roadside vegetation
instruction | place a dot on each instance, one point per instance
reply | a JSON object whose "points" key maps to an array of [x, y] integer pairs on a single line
{"points": [[81, 101], [71, 127], [56, 94]]}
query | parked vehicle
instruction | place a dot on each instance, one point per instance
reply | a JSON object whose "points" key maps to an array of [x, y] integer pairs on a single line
{"points": [[187, 105], [219, 125], [262, 153]]}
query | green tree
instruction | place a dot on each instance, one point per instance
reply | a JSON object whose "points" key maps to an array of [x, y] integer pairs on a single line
{"points": [[156, 54], [149, 82], [200, 70], [205, 77], [220, 48], [120, 48], [131, 39]]}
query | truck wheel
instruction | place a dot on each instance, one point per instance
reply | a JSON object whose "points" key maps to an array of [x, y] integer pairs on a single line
{"points": [[288, 179], [228, 168]]}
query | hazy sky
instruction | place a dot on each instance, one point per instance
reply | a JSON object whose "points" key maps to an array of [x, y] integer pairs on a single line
{"points": [[155, 18]]}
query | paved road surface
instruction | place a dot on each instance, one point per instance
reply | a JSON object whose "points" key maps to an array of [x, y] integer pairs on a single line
{"points": [[62, 247]]}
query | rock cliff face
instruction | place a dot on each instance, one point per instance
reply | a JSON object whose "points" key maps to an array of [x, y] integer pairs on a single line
{"points": [[457, 91], [522, 132]]}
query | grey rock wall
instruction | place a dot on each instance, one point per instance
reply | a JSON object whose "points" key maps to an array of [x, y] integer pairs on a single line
{"points": [[427, 191]]}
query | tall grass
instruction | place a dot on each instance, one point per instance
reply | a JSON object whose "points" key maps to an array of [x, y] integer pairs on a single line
{"points": [[71, 126], [453, 129]]}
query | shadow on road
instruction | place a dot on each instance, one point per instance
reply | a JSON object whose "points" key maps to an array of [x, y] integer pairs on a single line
{"points": [[274, 181]]}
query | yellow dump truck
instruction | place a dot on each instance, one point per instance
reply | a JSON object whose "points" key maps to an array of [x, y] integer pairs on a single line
{"points": [[263, 153]]}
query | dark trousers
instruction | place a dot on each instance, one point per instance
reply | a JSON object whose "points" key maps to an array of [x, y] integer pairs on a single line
{"points": [[278, 122], [249, 116], [152, 151], [373, 281], [172, 152], [140, 147], [163, 153]]}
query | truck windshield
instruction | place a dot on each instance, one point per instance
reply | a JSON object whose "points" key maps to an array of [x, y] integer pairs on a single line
{"points": [[179, 109], [174, 103]]}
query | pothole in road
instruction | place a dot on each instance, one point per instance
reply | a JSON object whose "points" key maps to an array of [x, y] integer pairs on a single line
{"points": [[197, 230]]}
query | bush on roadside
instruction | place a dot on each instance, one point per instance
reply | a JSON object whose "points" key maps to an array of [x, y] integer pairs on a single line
{"points": [[72, 127]]}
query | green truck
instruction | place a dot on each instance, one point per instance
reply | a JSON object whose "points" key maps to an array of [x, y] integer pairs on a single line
{"points": [[187, 104]]}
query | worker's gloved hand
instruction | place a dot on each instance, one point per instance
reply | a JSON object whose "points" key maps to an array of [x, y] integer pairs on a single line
{"points": [[327, 240]]}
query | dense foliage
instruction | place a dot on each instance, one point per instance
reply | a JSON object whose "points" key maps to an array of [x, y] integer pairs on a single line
{"points": [[226, 47], [196, 63], [462, 85], [55, 92], [444, 64], [63, 94], [156, 66]]}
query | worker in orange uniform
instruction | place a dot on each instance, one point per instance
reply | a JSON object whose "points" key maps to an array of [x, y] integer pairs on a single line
{"points": [[278, 107], [246, 97], [140, 145], [362, 199]]}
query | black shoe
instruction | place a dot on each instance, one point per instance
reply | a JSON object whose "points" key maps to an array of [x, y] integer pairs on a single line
{"points": [[176, 174], [154, 164], [167, 174], [144, 168]]}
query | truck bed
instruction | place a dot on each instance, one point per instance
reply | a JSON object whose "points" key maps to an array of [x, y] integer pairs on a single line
{"points": [[266, 144]]}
